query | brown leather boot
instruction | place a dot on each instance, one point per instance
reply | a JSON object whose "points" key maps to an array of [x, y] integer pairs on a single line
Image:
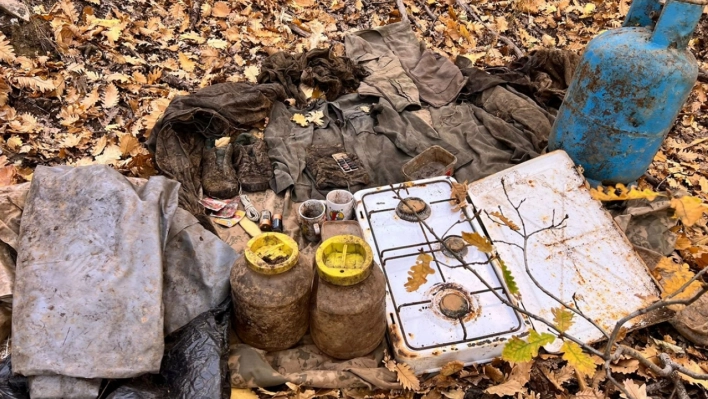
{"points": [[219, 178]]}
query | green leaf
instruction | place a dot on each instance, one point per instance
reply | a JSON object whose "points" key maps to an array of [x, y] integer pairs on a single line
{"points": [[578, 359], [563, 318], [509, 279], [520, 351]]}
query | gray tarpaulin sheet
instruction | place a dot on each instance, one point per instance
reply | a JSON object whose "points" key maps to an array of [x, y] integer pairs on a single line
{"points": [[197, 266], [88, 289]]}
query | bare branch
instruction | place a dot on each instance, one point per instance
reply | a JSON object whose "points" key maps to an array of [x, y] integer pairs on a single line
{"points": [[402, 10], [491, 30]]}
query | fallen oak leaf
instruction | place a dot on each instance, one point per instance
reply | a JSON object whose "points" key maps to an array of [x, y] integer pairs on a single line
{"points": [[562, 318], [7, 52], [451, 368], [479, 242], [635, 391], [578, 359], [418, 274], [459, 195], [404, 375], [110, 96], [316, 118], [251, 72], [520, 351], [688, 209], [621, 193], [300, 119], [505, 221], [519, 376], [508, 278]]}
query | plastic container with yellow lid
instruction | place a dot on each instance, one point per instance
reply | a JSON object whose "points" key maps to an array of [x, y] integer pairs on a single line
{"points": [[271, 286], [348, 312]]}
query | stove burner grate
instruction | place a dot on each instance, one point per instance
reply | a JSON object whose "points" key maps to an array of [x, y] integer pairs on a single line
{"points": [[457, 246], [413, 209]]}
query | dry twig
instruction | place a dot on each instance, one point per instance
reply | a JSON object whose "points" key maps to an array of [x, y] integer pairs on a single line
{"points": [[505, 39]]}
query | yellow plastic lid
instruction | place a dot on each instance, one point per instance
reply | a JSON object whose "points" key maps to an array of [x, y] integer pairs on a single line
{"points": [[344, 260], [271, 253]]}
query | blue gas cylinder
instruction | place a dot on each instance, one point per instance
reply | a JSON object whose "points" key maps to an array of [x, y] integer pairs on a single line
{"points": [[628, 90]]}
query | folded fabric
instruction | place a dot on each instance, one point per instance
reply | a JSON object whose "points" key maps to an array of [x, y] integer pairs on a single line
{"points": [[327, 173]]}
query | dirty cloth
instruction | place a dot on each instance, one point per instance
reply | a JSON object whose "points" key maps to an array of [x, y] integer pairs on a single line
{"points": [[647, 224], [89, 269], [381, 50], [382, 138], [12, 385], [307, 366], [178, 138], [12, 202], [543, 74], [317, 68], [60, 387], [326, 172], [253, 165]]}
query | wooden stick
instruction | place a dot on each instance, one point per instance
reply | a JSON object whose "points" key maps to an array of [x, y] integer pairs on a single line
{"points": [[505, 39], [402, 10]]}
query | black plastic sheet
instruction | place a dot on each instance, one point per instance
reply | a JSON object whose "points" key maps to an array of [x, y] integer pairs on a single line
{"points": [[12, 387]]}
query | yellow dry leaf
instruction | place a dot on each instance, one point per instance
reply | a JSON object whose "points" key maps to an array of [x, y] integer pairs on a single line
{"points": [[501, 24], [99, 146], [232, 34], [34, 83], [71, 140], [459, 196], [674, 276], [110, 96], [205, 10], [222, 142], [14, 142], [406, 376], [117, 77], [139, 78], [588, 10], [218, 43], [562, 318], [111, 155], [186, 63], [578, 359], [113, 34], [548, 41], [301, 120], [622, 193], [91, 99], [692, 366], [251, 73], [474, 57], [682, 242], [688, 209], [128, 144], [505, 221], [242, 394], [627, 366], [220, 9], [636, 391], [192, 36], [7, 52], [451, 368], [7, 175], [418, 274], [479, 242], [316, 118], [519, 376]]}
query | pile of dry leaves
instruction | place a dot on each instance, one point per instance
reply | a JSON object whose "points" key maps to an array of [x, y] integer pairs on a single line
{"points": [[84, 82]]}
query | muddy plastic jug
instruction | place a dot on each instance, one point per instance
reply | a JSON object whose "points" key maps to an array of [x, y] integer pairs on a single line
{"points": [[270, 287], [348, 312], [627, 91]]}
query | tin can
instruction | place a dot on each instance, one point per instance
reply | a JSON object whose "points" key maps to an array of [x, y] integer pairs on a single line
{"points": [[266, 223]]}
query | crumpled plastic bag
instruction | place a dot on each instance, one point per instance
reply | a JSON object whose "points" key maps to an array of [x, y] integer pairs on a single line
{"points": [[194, 365], [12, 386]]}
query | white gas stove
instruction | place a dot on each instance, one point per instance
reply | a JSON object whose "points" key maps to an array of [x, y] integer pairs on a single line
{"points": [[455, 315]]}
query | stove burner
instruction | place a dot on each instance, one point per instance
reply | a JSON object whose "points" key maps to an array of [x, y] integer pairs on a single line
{"points": [[452, 302], [412, 208], [457, 246], [454, 305]]}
